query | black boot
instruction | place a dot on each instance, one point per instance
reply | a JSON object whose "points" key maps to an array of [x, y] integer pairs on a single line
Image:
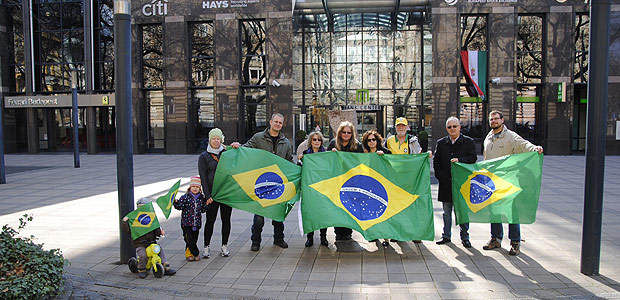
{"points": [[309, 242], [324, 241]]}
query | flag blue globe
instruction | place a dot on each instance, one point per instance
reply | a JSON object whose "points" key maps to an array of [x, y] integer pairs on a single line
{"points": [[269, 185], [364, 197]]}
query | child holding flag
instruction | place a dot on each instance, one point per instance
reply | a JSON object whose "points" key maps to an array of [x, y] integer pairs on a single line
{"points": [[192, 205], [141, 240]]}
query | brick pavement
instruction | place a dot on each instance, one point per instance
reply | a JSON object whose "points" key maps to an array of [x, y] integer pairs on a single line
{"points": [[76, 210]]}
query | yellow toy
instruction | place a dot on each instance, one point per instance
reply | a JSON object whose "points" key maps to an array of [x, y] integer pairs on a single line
{"points": [[154, 261]]}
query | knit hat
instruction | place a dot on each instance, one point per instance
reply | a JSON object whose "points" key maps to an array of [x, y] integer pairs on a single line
{"points": [[216, 132], [142, 201], [195, 181]]}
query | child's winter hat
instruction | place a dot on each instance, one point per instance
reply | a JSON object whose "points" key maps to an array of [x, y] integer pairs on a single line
{"points": [[195, 181], [216, 132], [142, 201]]}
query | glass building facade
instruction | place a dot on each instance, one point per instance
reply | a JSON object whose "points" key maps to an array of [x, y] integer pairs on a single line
{"points": [[197, 65]]}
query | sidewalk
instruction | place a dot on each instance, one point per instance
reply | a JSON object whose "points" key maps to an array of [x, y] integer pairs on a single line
{"points": [[76, 210]]}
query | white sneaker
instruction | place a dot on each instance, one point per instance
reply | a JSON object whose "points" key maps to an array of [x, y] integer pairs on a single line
{"points": [[206, 253], [224, 251]]}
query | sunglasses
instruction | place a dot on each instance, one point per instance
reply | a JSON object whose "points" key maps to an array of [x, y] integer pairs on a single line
{"points": [[346, 132], [316, 139], [452, 126], [372, 140]]}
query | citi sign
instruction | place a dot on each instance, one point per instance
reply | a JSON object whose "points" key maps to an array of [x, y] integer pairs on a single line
{"points": [[155, 8]]}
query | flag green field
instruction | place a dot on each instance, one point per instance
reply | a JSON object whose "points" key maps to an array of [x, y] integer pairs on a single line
{"points": [[257, 181], [165, 202], [501, 190], [142, 220], [380, 196]]}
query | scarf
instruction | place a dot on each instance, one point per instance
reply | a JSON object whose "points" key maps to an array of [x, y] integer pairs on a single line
{"points": [[215, 151]]}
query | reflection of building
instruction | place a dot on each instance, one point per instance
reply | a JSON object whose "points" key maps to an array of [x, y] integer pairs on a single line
{"points": [[201, 64]]}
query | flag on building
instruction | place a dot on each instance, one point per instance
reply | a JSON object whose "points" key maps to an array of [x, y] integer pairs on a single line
{"points": [[501, 190], [257, 181], [165, 201], [142, 220], [475, 67], [386, 196]]}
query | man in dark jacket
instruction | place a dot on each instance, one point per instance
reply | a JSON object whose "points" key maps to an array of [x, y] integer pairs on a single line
{"points": [[454, 147], [274, 141]]}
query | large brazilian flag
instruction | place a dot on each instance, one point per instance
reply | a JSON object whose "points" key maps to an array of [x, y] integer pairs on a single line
{"points": [[380, 196], [142, 220], [257, 181], [501, 190]]}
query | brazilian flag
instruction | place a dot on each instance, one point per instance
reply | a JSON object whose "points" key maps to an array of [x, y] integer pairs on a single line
{"points": [[257, 181], [142, 220], [380, 196], [165, 201], [501, 190]]}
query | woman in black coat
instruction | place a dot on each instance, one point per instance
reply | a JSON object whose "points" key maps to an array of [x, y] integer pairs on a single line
{"points": [[207, 164]]}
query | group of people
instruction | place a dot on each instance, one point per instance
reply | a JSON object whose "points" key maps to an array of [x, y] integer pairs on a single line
{"points": [[455, 147]]}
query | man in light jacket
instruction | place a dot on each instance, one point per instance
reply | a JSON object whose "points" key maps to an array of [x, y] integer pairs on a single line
{"points": [[501, 142]]}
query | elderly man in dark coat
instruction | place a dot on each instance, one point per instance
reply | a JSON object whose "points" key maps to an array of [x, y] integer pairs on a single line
{"points": [[454, 147]]}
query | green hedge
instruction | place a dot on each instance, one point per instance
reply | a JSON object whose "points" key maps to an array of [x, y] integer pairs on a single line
{"points": [[26, 270]]}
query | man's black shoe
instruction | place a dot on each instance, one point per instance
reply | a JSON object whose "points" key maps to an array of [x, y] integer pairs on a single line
{"points": [[309, 242], [324, 241], [255, 247], [443, 241], [281, 243], [466, 243], [417, 241]]}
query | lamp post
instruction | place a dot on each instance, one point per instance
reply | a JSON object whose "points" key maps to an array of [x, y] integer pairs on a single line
{"points": [[74, 121], [124, 137]]}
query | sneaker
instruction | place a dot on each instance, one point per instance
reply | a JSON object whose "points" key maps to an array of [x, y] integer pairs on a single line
{"points": [[492, 244], [206, 253], [142, 273], [224, 251], [168, 270], [197, 258], [281, 243], [514, 248], [255, 247]]}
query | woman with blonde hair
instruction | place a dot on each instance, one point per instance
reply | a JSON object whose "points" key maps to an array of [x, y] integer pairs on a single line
{"points": [[345, 140]]}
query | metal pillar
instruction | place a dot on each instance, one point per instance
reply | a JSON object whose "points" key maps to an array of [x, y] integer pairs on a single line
{"points": [[124, 138], [74, 113], [595, 136]]}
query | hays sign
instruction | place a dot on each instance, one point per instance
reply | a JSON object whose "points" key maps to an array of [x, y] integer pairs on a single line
{"points": [[155, 8]]}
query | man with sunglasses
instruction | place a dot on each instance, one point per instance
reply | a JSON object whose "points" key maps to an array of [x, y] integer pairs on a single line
{"points": [[452, 148]]}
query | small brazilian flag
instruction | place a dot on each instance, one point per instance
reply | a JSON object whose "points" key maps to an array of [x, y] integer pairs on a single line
{"points": [[380, 196], [501, 190], [257, 181], [165, 201], [142, 220]]}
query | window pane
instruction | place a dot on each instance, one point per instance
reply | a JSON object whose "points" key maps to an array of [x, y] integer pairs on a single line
{"points": [[370, 76], [253, 70], [474, 33], [202, 72], [472, 119], [50, 47], [354, 76], [155, 100], [529, 67], [529, 37], [253, 37], [72, 15], [152, 42], [153, 73], [202, 39]]}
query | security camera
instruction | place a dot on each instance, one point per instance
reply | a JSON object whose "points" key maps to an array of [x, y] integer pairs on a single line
{"points": [[496, 80], [275, 83]]}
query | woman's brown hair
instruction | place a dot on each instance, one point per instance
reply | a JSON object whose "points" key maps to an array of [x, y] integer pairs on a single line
{"points": [[367, 135]]}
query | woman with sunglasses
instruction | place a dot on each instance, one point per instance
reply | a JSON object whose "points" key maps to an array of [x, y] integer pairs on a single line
{"points": [[315, 143], [345, 140], [373, 143]]}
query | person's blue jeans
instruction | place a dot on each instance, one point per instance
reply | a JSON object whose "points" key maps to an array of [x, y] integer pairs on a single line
{"points": [[257, 229], [447, 223], [514, 231]]}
